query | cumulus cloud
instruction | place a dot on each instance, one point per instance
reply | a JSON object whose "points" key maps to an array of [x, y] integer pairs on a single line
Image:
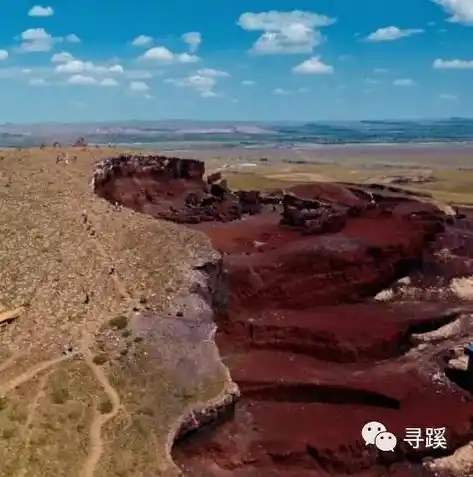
{"points": [[448, 96], [108, 82], [208, 94], [72, 38], [39, 11], [142, 40], [193, 39], [403, 82], [372, 81], [285, 32], [138, 86], [35, 40], [460, 11], [62, 57], [39, 40], [456, 64], [164, 55], [186, 58], [392, 33], [158, 53], [203, 81], [75, 66], [313, 66], [281, 91], [213, 73], [37, 82], [81, 80], [3, 55], [89, 80]]}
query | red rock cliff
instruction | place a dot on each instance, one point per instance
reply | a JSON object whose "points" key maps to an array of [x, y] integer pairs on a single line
{"points": [[315, 356]]}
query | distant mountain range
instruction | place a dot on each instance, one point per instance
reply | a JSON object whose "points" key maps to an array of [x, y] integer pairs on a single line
{"points": [[178, 134]]}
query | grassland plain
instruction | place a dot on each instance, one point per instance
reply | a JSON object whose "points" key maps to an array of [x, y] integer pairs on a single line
{"points": [[76, 268]]}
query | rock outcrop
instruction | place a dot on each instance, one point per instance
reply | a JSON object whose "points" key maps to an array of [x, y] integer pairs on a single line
{"points": [[326, 287]]}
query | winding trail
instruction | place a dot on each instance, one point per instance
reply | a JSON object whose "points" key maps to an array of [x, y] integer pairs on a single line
{"points": [[33, 372], [32, 408], [96, 441], [96, 447]]}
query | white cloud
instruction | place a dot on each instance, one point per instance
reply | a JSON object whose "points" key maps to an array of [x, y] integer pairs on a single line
{"points": [[108, 82], [313, 66], [403, 82], [197, 81], [3, 55], [138, 86], [392, 33], [186, 58], [63, 57], [82, 80], [372, 81], [37, 82], [158, 53], [39, 40], [35, 34], [440, 64], [39, 11], [381, 71], [110, 69], [193, 39], [461, 11], [164, 55], [203, 81], [247, 82], [35, 40], [208, 94], [448, 96], [212, 73], [285, 32], [281, 91], [78, 66], [72, 38], [142, 40]]}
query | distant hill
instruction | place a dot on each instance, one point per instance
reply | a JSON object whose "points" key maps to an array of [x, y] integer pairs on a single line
{"points": [[232, 134]]}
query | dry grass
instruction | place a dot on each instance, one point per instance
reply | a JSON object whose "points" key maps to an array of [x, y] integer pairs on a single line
{"points": [[451, 185], [61, 415]]}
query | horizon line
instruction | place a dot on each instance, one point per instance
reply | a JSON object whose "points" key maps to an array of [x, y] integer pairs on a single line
{"points": [[239, 121]]}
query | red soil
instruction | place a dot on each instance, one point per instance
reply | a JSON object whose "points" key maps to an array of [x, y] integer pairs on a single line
{"points": [[314, 355]]}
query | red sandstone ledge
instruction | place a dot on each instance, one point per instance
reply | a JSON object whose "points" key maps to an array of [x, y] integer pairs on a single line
{"points": [[315, 352]]}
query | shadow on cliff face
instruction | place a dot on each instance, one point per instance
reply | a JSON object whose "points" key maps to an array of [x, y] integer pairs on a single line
{"points": [[314, 355]]}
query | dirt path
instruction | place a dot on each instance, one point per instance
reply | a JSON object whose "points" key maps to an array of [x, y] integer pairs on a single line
{"points": [[23, 460], [96, 442], [32, 373], [99, 420]]}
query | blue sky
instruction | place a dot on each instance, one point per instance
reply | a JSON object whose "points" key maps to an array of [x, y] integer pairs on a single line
{"points": [[215, 60]]}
